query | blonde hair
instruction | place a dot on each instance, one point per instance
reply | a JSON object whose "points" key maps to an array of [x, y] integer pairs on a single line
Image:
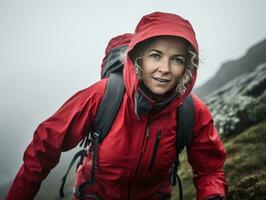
{"points": [[191, 64]]}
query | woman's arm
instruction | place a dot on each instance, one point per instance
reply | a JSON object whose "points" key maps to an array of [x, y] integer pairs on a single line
{"points": [[206, 154], [61, 132]]}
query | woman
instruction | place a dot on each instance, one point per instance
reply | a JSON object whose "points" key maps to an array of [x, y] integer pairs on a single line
{"points": [[159, 72]]}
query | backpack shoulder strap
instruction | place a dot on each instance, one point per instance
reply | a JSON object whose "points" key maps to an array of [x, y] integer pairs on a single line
{"points": [[185, 124], [105, 116], [184, 133], [110, 104]]}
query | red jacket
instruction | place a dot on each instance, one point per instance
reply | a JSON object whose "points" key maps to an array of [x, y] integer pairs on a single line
{"points": [[124, 169]]}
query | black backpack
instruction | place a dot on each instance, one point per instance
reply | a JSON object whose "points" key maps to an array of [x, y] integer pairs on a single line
{"points": [[108, 110]]}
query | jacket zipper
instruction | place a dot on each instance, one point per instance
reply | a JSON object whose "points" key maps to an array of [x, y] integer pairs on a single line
{"points": [[155, 149], [147, 136]]}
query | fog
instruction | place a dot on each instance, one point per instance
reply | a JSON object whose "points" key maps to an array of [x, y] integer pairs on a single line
{"points": [[51, 49]]}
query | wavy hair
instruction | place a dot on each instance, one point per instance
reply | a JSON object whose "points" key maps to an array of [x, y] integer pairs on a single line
{"points": [[191, 64]]}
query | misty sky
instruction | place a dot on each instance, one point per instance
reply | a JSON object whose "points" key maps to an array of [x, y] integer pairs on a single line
{"points": [[50, 49]]}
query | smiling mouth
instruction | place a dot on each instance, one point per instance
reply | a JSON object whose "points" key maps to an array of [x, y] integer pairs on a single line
{"points": [[161, 80]]}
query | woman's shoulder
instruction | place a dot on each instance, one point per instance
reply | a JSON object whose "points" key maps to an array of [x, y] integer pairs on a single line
{"points": [[96, 89], [91, 94], [200, 107], [198, 103]]}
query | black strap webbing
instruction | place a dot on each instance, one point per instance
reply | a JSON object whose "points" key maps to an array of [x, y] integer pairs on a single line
{"points": [[185, 124], [105, 116], [81, 154], [184, 135], [110, 105]]}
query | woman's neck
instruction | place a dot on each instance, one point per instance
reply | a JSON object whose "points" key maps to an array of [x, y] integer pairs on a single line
{"points": [[157, 98]]}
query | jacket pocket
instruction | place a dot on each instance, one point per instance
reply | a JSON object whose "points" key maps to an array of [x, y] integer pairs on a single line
{"points": [[155, 150]]}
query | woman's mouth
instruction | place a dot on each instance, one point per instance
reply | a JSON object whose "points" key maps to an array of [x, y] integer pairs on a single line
{"points": [[161, 80]]}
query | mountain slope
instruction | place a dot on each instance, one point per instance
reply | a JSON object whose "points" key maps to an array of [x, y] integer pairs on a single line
{"points": [[246, 159], [232, 69]]}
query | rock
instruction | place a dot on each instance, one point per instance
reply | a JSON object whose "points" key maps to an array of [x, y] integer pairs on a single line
{"points": [[250, 187], [240, 103]]}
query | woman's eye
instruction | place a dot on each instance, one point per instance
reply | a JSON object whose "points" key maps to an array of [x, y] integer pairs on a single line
{"points": [[155, 55], [178, 61]]}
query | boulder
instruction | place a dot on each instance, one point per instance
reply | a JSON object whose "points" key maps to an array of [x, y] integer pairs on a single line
{"points": [[240, 103]]}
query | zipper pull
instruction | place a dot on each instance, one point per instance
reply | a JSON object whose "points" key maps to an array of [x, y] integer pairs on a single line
{"points": [[147, 133], [147, 136], [159, 135]]}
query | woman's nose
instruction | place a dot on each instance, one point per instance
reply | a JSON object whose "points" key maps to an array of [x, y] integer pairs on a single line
{"points": [[164, 66]]}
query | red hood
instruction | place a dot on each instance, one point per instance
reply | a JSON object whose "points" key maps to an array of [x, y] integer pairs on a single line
{"points": [[158, 24]]}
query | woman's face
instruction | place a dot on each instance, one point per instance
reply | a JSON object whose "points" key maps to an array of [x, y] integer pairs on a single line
{"points": [[163, 63]]}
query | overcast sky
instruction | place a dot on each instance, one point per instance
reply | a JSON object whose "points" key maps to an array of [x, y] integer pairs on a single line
{"points": [[50, 49]]}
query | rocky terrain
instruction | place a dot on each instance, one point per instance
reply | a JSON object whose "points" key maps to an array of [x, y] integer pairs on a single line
{"points": [[255, 56], [250, 187], [240, 103], [244, 168]]}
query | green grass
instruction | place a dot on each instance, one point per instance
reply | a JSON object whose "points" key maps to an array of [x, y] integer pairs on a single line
{"points": [[246, 160]]}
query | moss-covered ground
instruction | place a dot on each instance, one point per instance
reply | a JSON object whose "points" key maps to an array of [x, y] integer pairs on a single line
{"points": [[245, 167]]}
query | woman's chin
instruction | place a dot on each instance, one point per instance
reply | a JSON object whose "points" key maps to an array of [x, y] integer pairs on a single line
{"points": [[160, 91]]}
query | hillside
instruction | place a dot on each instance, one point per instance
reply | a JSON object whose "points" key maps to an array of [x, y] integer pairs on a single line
{"points": [[245, 166], [232, 69]]}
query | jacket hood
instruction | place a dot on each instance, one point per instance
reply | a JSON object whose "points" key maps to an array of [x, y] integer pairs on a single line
{"points": [[157, 24]]}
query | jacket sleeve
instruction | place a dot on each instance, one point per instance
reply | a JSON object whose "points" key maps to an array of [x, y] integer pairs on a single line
{"points": [[206, 154], [61, 132]]}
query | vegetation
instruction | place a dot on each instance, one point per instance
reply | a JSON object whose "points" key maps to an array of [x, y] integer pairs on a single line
{"points": [[245, 167]]}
